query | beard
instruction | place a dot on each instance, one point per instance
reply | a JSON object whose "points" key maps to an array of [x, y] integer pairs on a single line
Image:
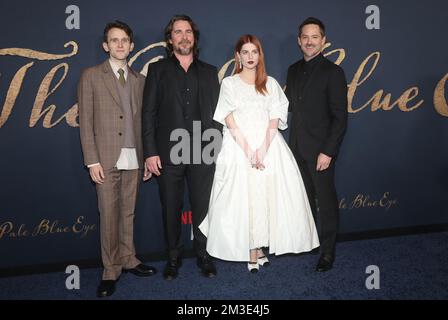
{"points": [[184, 51]]}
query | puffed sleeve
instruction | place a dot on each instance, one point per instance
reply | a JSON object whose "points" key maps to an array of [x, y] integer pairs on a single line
{"points": [[226, 102], [278, 108]]}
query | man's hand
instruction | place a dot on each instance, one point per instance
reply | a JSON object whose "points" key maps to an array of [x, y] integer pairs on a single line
{"points": [[147, 175], [97, 174], [153, 164], [323, 162]]}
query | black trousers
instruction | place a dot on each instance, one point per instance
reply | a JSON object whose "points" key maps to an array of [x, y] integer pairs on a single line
{"points": [[320, 186], [171, 182]]}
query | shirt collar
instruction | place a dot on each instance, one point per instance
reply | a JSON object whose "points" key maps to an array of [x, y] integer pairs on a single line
{"points": [[312, 62], [115, 67], [177, 62]]}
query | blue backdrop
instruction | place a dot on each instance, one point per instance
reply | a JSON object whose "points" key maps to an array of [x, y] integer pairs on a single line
{"points": [[392, 169]]}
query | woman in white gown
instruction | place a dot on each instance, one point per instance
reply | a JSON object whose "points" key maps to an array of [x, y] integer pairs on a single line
{"points": [[258, 198]]}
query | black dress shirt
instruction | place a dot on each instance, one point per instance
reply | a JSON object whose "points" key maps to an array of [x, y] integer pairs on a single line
{"points": [[185, 89], [305, 71]]}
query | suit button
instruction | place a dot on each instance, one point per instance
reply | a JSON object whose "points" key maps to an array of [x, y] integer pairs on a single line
{"points": [[121, 117], [188, 102], [119, 133], [300, 98], [186, 117]]}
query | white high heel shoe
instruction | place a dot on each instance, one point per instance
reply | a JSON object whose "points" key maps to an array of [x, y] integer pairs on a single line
{"points": [[253, 267], [263, 261]]}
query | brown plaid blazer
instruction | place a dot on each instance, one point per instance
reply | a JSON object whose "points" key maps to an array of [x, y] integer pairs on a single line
{"points": [[101, 119]]}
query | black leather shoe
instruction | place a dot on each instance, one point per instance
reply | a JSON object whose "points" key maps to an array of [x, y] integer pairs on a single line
{"points": [[142, 270], [106, 288], [172, 269], [207, 266], [325, 263]]}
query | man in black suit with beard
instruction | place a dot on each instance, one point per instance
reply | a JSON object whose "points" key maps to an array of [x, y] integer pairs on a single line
{"points": [[317, 93], [181, 92]]}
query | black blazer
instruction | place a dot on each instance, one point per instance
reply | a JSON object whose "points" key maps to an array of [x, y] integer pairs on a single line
{"points": [[319, 116], [160, 115]]}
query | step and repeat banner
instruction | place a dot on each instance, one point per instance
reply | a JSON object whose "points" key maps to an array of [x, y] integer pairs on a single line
{"points": [[392, 171]]}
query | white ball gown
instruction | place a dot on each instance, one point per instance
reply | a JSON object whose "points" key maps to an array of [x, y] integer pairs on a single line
{"points": [[252, 208]]}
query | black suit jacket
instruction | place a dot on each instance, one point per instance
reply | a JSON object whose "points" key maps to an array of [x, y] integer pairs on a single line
{"points": [[160, 115], [319, 115]]}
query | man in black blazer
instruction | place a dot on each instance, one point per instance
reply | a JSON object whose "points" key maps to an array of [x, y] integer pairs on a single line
{"points": [[317, 93], [180, 92]]}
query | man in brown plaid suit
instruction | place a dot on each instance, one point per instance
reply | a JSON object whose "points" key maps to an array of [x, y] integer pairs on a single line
{"points": [[110, 102]]}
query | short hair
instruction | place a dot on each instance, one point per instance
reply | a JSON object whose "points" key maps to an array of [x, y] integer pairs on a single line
{"points": [[119, 25], [169, 29], [312, 20]]}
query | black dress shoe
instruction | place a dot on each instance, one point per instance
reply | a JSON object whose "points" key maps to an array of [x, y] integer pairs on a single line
{"points": [[325, 263], [142, 270], [106, 288], [172, 269], [207, 266]]}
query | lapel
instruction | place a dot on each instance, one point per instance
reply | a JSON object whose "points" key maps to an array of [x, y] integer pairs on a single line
{"points": [[109, 81], [201, 84], [133, 83], [296, 78]]}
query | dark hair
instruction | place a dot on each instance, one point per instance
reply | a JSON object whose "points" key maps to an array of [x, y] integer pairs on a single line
{"points": [[312, 20], [169, 29], [119, 25]]}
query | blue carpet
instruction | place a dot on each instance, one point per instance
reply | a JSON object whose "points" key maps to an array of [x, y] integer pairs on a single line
{"points": [[411, 267]]}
